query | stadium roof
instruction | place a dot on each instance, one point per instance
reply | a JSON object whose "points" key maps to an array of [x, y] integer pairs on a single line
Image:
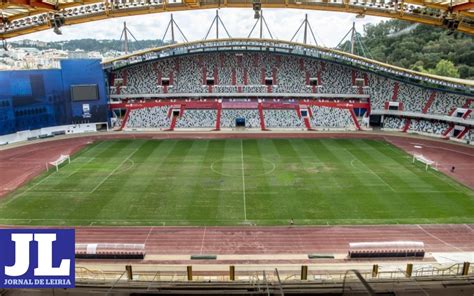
{"points": [[285, 47], [21, 17]]}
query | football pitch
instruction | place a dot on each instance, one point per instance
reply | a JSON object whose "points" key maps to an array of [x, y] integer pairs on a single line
{"points": [[239, 182]]}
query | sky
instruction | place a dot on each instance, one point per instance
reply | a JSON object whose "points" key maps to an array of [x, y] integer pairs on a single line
{"points": [[329, 27]]}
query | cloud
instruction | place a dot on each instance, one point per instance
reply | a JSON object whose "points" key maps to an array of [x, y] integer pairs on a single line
{"points": [[329, 27]]}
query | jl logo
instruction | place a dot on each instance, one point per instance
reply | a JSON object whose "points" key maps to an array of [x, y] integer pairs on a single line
{"points": [[41, 258]]}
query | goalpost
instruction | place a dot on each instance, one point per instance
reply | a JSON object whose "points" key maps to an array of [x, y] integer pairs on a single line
{"points": [[428, 162], [58, 162]]}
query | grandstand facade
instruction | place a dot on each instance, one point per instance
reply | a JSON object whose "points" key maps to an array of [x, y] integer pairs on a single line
{"points": [[281, 85], [254, 84]]}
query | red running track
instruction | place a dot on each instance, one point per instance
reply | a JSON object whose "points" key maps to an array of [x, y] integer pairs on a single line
{"points": [[277, 240], [19, 165]]}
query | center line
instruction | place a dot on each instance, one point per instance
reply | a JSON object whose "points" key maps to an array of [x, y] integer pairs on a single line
{"points": [[243, 178]]}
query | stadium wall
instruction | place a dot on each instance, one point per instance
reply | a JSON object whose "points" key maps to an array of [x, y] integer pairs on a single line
{"points": [[35, 99]]}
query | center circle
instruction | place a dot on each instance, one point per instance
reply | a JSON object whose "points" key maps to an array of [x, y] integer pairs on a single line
{"points": [[252, 167]]}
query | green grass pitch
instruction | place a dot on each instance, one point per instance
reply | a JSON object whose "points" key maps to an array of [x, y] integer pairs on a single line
{"points": [[235, 182]]}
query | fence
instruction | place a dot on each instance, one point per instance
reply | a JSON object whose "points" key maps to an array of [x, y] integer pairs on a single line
{"points": [[259, 274]]}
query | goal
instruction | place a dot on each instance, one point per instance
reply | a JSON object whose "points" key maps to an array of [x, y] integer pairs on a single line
{"points": [[427, 162], [58, 162]]}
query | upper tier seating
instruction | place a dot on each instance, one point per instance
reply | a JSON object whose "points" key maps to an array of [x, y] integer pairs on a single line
{"points": [[247, 73]]}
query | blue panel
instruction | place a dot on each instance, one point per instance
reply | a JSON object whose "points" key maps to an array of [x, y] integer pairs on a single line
{"points": [[85, 72], [42, 98]]}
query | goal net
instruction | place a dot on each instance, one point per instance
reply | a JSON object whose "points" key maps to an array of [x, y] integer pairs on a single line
{"points": [[426, 161], [58, 162]]}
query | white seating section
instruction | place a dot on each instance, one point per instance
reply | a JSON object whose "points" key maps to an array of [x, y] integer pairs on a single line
{"points": [[246, 73], [392, 122], [251, 116], [444, 102], [325, 117], [154, 118], [428, 126], [197, 118], [381, 90], [282, 118]]}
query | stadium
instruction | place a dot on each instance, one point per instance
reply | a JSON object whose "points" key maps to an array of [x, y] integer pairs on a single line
{"points": [[243, 166]]}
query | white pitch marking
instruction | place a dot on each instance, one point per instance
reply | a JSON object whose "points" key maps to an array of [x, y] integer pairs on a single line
{"points": [[27, 190], [372, 172], [113, 172], [243, 178]]}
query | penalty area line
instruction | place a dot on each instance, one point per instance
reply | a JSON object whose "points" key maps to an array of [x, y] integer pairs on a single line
{"points": [[113, 172]]}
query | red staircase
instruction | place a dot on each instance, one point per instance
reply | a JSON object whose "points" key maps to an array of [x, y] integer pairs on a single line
{"points": [[301, 64], [448, 130], [430, 102], [234, 77], [262, 117], [307, 123], [176, 65], [216, 75], [395, 91], [354, 118], [467, 114], [468, 103], [204, 74], [463, 133], [125, 77], [173, 123], [159, 77], [125, 118], [218, 119], [407, 125]]}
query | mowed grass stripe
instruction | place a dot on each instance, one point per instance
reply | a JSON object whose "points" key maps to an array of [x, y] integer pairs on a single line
{"points": [[199, 182]]}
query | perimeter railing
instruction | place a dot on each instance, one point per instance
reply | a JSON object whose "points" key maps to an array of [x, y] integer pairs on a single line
{"points": [[256, 274]]}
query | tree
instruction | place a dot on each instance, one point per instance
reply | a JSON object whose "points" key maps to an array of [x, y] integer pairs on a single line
{"points": [[421, 48], [445, 68]]}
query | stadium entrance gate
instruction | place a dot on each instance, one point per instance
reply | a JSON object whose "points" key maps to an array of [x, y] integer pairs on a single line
{"points": [[240, 122]]}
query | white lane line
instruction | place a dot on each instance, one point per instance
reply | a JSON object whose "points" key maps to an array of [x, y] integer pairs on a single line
{"points": [[437, 238], [148, 236], [113, 172], [203, 238], [243, 178]]}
